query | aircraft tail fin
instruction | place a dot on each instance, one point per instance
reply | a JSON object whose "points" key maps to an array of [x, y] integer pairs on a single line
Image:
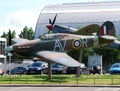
{"points": [[107, 31], [107, 28]]}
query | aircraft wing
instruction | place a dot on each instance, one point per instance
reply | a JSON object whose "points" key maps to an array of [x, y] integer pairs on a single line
{"points": [[19, 40], [58, 57], [88, 30]]}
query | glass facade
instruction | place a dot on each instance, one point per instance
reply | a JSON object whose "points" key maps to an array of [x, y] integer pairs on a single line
{"points": [[79, 15]]}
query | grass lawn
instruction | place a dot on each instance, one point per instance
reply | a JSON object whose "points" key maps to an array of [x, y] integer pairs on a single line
{"points": [[61, 79]]}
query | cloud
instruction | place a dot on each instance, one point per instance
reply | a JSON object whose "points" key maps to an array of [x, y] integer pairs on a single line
{"points": [[22, 18], [18, 20]]}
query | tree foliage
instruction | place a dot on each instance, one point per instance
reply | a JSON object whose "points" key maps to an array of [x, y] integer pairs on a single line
{"points": [[9, 35], [27, 33]]}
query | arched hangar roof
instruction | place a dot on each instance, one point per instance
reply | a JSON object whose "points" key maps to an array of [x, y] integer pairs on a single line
{"points": [[78, 15]]}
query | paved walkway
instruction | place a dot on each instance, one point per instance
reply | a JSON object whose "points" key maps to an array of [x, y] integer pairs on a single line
{"points": [[54, 85], [58, 89]]}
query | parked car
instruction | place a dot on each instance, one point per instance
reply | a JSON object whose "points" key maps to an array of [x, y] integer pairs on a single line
{"points": [[115, 68], [84, 70], [96, 69], [17, 70], [73, 70], [1, 71], [37, 68], [58, 68]]}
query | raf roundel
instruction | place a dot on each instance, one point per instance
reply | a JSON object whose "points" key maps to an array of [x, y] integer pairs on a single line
{"points": [[76, 44]]}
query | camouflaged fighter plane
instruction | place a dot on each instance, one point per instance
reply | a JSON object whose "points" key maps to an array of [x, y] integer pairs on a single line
{"points": [[52, 47]]}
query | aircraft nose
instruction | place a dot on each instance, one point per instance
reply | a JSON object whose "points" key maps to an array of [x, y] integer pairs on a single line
{"points": [[8, 48]]}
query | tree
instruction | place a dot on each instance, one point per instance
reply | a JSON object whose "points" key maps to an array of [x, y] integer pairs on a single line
{"points": [[9, 35], [27, 33]]}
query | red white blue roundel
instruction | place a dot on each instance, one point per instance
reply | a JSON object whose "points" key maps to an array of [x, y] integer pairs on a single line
{"points": [[76, 44]]}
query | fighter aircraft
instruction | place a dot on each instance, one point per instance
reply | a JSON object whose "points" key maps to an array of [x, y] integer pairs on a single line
{"points": [[52, 47]]}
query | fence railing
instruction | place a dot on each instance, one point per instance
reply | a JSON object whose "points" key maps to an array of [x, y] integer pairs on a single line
{"points": [[36, 79]]}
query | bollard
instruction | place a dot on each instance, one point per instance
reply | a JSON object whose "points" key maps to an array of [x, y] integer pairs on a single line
{"points": [[43, 79], [10, 80], [94, 80], [112, 81], [77, 81], [26, 80]]}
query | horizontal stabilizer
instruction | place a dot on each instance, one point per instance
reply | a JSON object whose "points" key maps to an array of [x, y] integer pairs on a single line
{"points": [[108, 37]]}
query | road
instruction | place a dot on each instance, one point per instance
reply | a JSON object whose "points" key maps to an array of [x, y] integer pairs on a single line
{"points": [[58, 89]]}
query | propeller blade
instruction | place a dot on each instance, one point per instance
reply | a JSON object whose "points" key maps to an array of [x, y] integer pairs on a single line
{"points": [[54, 19], [50, 22]]}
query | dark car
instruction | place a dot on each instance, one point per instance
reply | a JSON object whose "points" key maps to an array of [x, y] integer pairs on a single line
{"points": [[96, 69], [84, 70], [73, 70], [115, 68], [37, 68], [58, 68], [17, 70]]}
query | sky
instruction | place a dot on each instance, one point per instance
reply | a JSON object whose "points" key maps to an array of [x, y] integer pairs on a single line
{"points": [[16, 14]]}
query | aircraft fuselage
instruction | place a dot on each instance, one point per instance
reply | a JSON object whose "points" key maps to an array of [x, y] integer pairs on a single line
{"points": [[56, 42]]}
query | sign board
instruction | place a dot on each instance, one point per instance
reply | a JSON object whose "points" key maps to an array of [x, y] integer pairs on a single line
{"points": [[94, 61]]}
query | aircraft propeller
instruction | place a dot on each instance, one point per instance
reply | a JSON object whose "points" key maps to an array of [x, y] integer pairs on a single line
{"points": [[51, 24]]}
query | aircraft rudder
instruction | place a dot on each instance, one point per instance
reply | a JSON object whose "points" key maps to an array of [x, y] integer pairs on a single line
{"points": [[107, 28]]}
